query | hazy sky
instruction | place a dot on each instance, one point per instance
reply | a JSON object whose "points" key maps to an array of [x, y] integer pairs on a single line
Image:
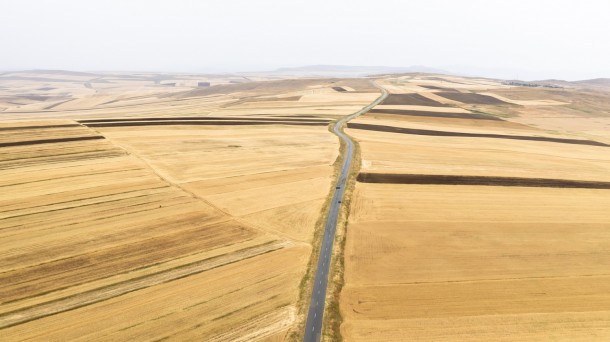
{"points": [[526, 39]]}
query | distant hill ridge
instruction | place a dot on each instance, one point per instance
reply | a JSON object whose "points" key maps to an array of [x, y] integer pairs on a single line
{"points": [[346, 69]]}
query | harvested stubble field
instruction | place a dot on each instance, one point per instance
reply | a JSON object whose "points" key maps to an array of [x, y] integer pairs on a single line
{"points": [[195, 222], [476, 230]]}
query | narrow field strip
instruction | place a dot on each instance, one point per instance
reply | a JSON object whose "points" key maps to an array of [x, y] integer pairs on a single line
{"points": [[389, 178], [423, 113], [471, 98], [50, 141], [392, 129], [19, 128]]}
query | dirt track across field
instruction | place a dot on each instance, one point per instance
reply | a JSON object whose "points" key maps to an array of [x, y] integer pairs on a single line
{"points": [[412, 100], [471, 98]]}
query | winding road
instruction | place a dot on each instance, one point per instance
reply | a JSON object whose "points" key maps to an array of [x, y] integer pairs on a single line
{"points": [[313, 327]]}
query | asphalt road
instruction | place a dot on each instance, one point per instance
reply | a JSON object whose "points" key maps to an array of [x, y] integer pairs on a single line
{"points": [[313, 327]]}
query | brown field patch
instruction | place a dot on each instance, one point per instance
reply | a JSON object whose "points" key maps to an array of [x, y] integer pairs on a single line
{"points": [[471, 98], [411, 99]]}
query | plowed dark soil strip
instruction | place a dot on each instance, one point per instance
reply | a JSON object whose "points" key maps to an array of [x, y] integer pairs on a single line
{"points": [[37, 127], [208, 118], [479, 180], [434, 114], [411, 99], [50, 141], [204, 123], [392, 129], [471, 98]]}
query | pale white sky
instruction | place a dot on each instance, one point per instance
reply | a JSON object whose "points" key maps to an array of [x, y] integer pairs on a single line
{"points": [[530, 39]]}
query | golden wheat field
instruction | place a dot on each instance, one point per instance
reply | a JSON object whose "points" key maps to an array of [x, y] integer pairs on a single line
{"points": [[145, 213], [476, 217], [187, 207]]}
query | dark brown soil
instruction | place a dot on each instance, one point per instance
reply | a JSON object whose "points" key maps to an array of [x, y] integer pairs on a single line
{"points": [[49, 141], [392, 129], [479, 180], [434, 114], [471, 98], [411, 99], [339, 89]]}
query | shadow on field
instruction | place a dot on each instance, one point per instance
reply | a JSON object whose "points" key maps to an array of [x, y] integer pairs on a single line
{"points": [[471, 98]]}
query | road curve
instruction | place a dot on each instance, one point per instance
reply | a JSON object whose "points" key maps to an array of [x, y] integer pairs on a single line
{"points": [[313, 327]]}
